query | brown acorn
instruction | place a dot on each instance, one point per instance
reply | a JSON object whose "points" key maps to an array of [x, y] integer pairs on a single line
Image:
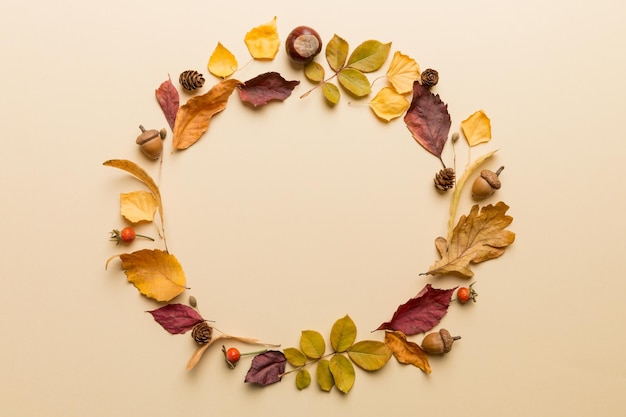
{"points": [[150, 142], [486, 184], [440, 342]]}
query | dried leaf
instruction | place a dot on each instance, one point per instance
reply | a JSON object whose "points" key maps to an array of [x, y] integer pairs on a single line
{"points": [[370, 355], [194, 117], [263, 41], [477, 128], [403, 72], [388, 104], [343, 334], [323, 375], [266, 87], [176, 318], [314, 72], [331, 93], [168, 98], [222, 62], [343, 372], [476, 238], [428, 120], [303, 379], [295, 357], [267, 368], [407, 352], [138, 206], [369, 56], [421, 313], [336, 53], [155, 273], [354, 81], [312, 344]]}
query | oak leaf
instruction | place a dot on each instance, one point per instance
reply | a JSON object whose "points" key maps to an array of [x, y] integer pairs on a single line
{"points": [[176, 318], [155, 273], [195, 115], [407, 352], [222, 62], [138, 206], [476, 238], [477, 128], [403, 72], [388, 104], [169, 101], [267, 368], [264, 88], [263, 41]]}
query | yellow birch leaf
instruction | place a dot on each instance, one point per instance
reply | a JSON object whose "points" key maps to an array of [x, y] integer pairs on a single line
{"points": [[138, 206], [222, 62], [343, 372], [477, 128], [403, 72], [262, 41], [354, 81], [155, 273], [314, 72], [331, 93], [303, 379], [388, 104], [370, 355], [407, 352]]}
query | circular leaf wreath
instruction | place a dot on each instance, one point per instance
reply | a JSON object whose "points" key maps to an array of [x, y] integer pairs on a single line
{"points": [[476, 237]]}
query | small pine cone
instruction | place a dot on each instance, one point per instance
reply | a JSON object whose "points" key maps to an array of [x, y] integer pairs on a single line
{"points": [[444, 180], [191, 80], [202, 333], [430, 78]]}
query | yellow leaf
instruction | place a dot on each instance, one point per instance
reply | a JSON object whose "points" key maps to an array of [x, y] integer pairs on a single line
{"points": [[324, 376], [138, 206], [343, 372], [403, 72], [354, 81], [303, 379], [155, 273], [262, 41], [295, 357], [477, 128], [343, 334], [337, 53], [388, 104], [331, 93], [314, 72], [407, 352], [370, 355], [222, 62], [312, 344]]}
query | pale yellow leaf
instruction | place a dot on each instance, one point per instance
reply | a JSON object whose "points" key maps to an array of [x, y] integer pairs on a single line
{"points": [[155, 273], [331, 93], [314, 72], [477, 128], [263, 41], [403, 72], [388, 104], [138, 206], [222, 62]]}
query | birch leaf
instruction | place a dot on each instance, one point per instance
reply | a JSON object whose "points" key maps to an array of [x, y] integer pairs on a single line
{"points": [[369, 56], [169, 101], [354, 81], [263, 41], [155, 273], [343, 372], [323, 375], [407, 352], [336, 53], [370, 355], [477, 128], [331, 93], [138, 206], [388, 104], [343, 334], [194, 117], [222, 62], [403, 72], [314, 72], [477, 237]]}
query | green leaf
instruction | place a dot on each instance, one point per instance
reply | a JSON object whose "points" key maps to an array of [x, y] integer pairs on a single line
{"points": [[343, 334], [370, 355], [369, 56], [303, 379], [314, 72], [295, 357], [343, 372], [331, 93], [324, 376], [336, 53], [312, 344], [354, 81]]}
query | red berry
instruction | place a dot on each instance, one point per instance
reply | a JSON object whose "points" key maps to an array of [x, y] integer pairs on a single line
{"points": [[233, 354], [127, 234], [465, 294]]}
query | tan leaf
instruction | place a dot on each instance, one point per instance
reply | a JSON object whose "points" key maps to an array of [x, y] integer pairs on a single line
{"points": [[194, 117], [476, 238], [138, 206], [402, 72], [155, 273], [406, 351], [263, 41], [222, 62], [477, 128], [388, 104]]}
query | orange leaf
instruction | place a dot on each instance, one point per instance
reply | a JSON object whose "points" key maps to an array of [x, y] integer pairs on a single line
{"points": [[477, 128], [155, 273], [262, 41], [407, 352], [193, 118]]}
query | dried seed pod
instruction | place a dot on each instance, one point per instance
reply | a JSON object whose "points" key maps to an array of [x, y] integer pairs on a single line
{"points": [[191, 80], [444, 179], [430, 78], [439, 342], [150, 142]]}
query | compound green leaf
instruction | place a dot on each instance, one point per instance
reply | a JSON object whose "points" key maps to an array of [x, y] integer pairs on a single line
{"points": [[369, 56], [370, 355], [324, 376], [343, 372], [331, 93], [343, 334], [303, 379], [354, 81], [337, 53], [295, 357], [312, 344], [314, 72]]}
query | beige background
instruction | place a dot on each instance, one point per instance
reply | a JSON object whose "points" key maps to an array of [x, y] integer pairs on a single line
{"points": [[291, 216]]}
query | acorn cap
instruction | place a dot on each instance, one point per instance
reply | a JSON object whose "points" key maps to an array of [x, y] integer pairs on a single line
{"points": [[146, 135], [491, 178], [447, 339]]}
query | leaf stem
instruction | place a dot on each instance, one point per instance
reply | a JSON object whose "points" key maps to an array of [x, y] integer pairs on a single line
{"points": [[318, 85]]}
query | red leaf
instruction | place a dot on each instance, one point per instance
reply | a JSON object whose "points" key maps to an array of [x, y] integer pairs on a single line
{"points": [[168, 99], [176, 318], [421, 313], [428, 119], [267, 368], [265, 88]]}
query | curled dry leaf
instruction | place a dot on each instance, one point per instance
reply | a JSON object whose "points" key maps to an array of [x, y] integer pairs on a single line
{"points": [[155, 273], [169, 101], [407, 352], [263, 41], [138, 206], [264, 88], [222, 62], [388, 104], [477, 128], [403, 72], [176, 318]]}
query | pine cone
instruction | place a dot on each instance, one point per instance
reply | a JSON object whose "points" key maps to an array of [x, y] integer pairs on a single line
{"points": [[430, 78], [444, 180], [202, 333], [191, 80]]}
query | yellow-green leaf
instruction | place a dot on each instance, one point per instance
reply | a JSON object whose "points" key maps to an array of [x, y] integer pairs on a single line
{"points": [[388, 104], [263, 41], [138, 206], [403, 72], [222, 62], [354, 81], [331, 93], [477, 128], [312, 344], [343, 372], [303, 379], [407, 352], [336, 53], [343, 334], [295, 357], [324, 376], [155, 273], [370, 355], [314, 72], [369, 56]]}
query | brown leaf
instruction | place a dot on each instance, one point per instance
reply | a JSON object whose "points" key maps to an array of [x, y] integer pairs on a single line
{"points": [[194, 117], [168, 99], [476, 238], [407, 352], [266, 87]]}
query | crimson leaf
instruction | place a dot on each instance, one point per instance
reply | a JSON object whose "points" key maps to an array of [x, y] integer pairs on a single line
{"points": [[265, 88], [176, 318], [267, 368], [421, 313], [428, 119], [168, 99]]}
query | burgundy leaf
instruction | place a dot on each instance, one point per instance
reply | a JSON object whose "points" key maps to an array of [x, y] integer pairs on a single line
{"points": [[168, 99], [428, 119], [421, 313], [267, 368], [176, 318], [265, 88]]}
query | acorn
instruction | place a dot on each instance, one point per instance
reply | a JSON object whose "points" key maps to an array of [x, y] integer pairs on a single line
{"points": [[437, 343], [486, 184], [150, 142]]}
